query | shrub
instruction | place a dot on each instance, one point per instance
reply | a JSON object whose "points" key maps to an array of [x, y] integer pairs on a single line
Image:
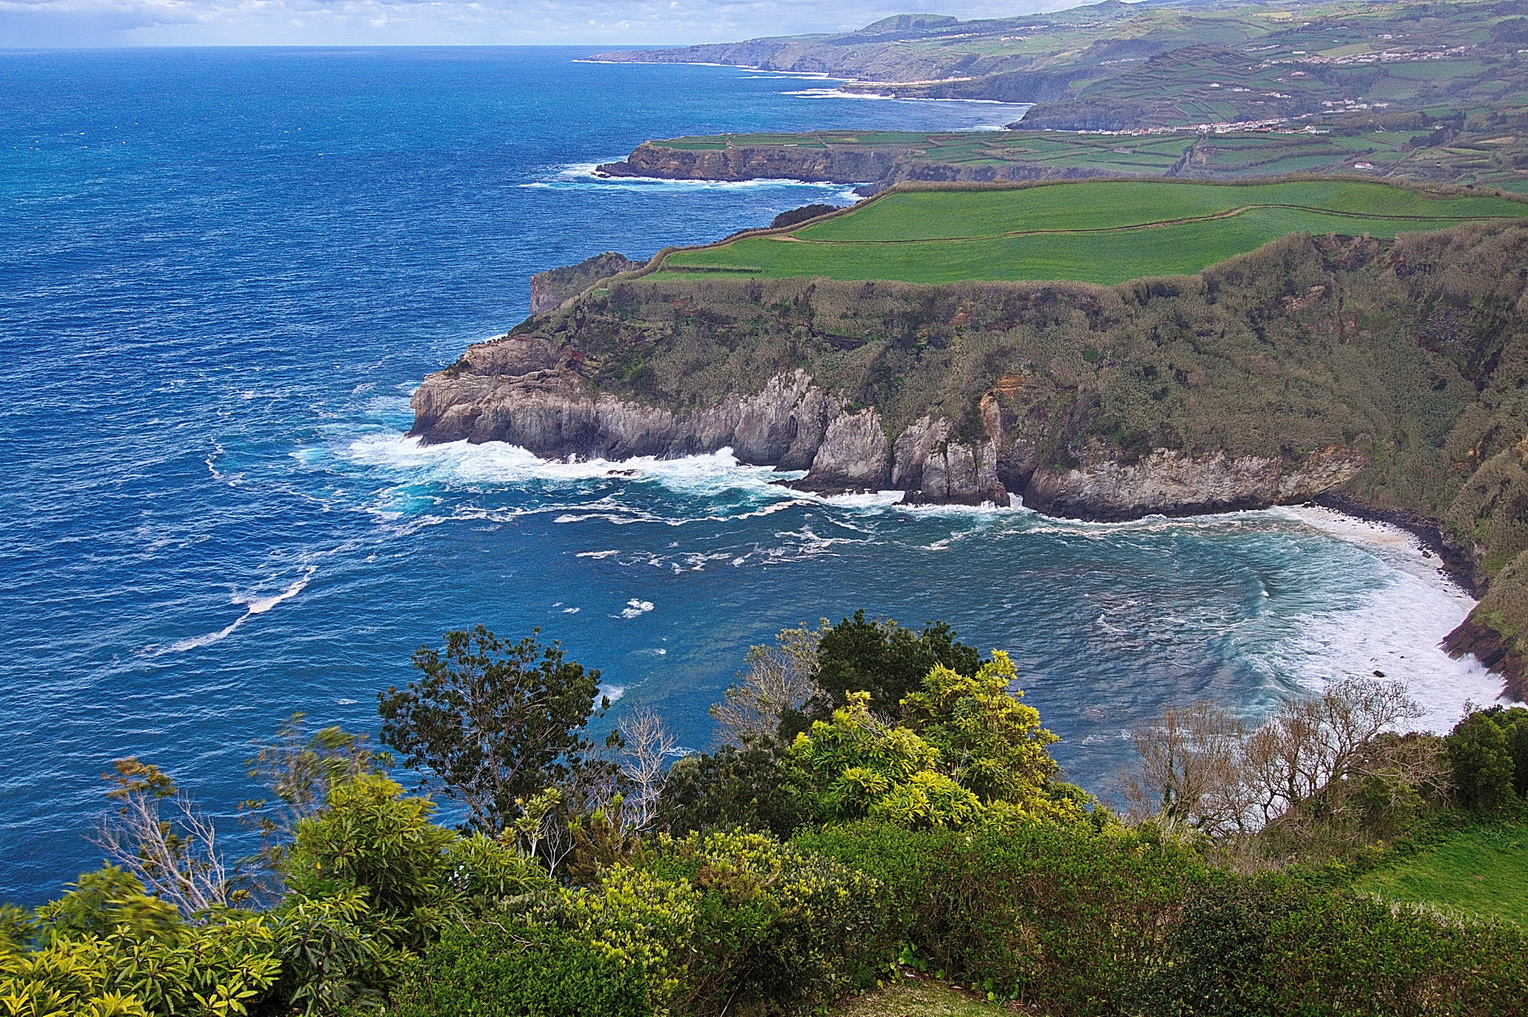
{"points": [[519, 970], [775, 927], [858, 765], [374, 838], [1217, 948], [1481, 763], [108, 949], [1351, 955], [1060, 913], [730, 787]]}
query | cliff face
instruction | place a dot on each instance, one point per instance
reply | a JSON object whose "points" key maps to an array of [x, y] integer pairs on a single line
{"points": [[552, 287], [528, 391], [842, 165], [754, 162]]}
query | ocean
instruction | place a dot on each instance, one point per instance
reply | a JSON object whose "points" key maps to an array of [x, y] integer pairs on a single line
{"points": [[222, 273]]}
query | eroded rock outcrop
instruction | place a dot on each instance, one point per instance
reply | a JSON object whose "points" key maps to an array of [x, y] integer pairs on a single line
{"points": [[755, 162], [528, 391], [552, 287], [1169, 482], [878, 168]]}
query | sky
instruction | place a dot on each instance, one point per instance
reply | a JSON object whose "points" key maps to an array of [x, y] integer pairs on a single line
{"points": [[96, 23]]}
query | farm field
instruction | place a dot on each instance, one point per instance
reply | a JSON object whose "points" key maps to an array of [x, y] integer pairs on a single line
{"points": [[1444, 145], [1101, 231]]}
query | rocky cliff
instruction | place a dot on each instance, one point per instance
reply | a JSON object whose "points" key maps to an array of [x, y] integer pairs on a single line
{"points": [[879, 168], [529, 391], [552, 287], [753, 162]]}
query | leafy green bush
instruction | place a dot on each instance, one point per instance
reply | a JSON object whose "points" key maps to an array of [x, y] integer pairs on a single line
{"points": [[371, 879], [1351, 955], [1270, 945], [109, 949], [1481, 762], [1065, 914], [732, 786], [1216, 951], [519, 970], [775, 927]]}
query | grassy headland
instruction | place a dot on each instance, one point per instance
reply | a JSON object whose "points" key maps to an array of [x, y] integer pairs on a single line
{"points": [[1442, 144], [1364, 329], [1103, 232]]}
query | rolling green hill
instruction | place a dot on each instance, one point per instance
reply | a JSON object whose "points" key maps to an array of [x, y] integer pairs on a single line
{"points": [[1116, 66], [1095, 231]]}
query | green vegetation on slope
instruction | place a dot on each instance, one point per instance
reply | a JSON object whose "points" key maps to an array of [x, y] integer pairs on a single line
{"points": [[1480, 869], [774, 876], [1124, 66], [1097, 231]]}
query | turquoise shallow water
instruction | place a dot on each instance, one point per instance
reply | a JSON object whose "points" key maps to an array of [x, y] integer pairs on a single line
{"points": [[223, 271]]}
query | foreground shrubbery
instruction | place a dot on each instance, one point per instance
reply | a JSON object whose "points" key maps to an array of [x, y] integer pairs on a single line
{"points": [[709, 924], [1113, 921], [915, 821]]}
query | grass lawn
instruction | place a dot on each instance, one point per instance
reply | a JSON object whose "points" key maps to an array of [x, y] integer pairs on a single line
{"points": [[1139, 228], [916, 998], [1481, 870]]}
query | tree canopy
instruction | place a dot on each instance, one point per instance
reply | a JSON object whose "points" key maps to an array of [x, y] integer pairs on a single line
{"points": [[493, 722]]}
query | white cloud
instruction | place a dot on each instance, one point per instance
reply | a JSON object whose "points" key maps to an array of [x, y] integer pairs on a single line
{"points": [[444, 22]]}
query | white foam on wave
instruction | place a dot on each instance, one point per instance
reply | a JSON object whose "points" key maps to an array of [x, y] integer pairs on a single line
{"points": [[1397, 630], [421, 472], [635, 608], [586, 174], [253, 604], [498, 463], [836, 93]]}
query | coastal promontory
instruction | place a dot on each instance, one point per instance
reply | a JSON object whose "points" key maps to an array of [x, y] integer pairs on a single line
{"points": [[1384, 372]]}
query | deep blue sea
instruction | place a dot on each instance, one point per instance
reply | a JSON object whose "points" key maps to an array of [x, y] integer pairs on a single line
{"points": [[222, 272]]}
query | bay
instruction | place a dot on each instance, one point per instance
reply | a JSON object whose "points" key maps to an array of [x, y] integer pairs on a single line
{"points": [[222, 272]]}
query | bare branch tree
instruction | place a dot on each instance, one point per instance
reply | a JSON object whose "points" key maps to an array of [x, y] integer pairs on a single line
{"points": [[779, 678], [158, 836], [1309, 743], [1187, 768], [644, 764], [1199, 764]]}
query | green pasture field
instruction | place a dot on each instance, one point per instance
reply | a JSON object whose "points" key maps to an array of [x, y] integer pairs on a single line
{"points": [[1479, 870], [1232, 156], [1093, 231]]}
